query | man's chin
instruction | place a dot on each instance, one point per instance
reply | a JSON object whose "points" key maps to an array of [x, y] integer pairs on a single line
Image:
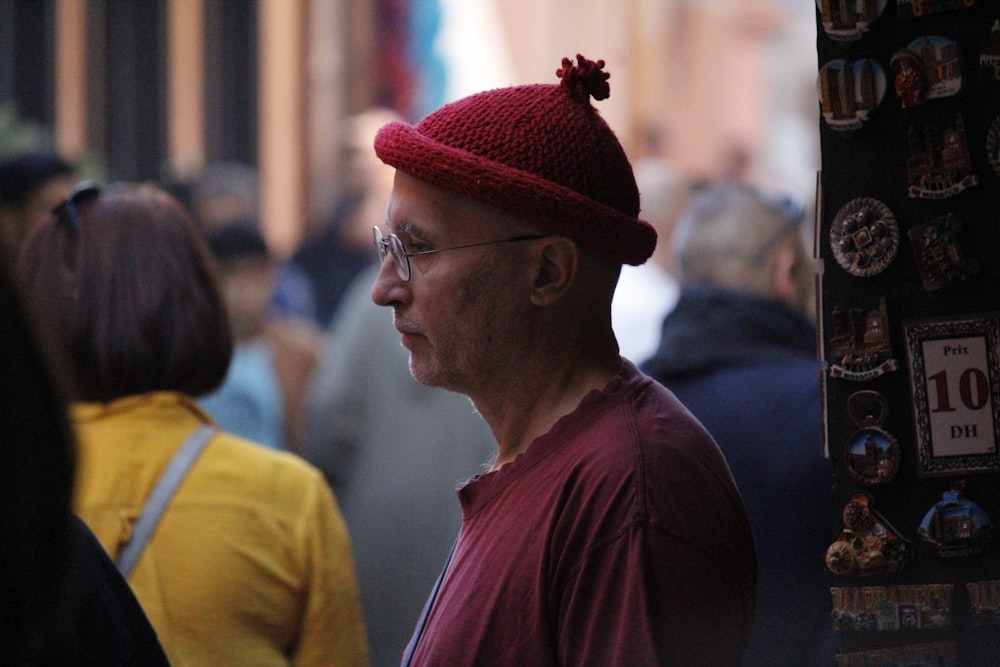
{"points": [[421, 373], [428, 374]]}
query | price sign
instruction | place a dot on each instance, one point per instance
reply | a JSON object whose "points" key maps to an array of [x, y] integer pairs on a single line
{"points": [[955, 378]]}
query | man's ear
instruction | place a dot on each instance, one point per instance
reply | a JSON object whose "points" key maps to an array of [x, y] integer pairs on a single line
{"points": [[557, 266], [785, 284]]}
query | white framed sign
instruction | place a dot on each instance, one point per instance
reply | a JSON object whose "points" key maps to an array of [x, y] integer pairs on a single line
{"points": [[955, 379]]}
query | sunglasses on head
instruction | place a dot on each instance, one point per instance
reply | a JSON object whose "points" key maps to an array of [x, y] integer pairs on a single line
{"points": [[67, 210]]}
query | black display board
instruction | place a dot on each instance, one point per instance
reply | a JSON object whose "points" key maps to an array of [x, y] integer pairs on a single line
{"points": [[908, 231]]}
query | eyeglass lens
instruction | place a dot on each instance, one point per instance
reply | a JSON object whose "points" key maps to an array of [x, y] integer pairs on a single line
{"points": [[384, 246]]}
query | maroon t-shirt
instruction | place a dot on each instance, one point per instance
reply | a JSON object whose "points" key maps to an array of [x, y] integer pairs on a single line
{"points": [[618, 538]]}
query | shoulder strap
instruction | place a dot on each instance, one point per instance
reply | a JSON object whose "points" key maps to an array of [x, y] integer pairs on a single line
{"points": [[422, 621], [158, 500]]}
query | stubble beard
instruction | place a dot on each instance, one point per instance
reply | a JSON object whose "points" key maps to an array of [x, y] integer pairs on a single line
{"points": [[465, 358]]}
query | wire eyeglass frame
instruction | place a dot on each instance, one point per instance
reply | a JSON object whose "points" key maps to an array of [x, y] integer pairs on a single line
{"points": [[392, 244]]}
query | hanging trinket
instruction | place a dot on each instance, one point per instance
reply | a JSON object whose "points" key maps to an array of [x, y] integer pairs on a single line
{"points": [[956, 526], [867, 544], [871, 455]]}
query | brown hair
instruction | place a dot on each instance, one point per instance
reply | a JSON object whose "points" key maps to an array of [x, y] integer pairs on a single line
{"points": [[124, 283]]}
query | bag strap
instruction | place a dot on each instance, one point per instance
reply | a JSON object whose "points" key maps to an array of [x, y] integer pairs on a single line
{"points": [[158, 500], [422, 621]]}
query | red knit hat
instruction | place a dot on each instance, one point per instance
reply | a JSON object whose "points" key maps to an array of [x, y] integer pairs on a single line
{"points": [[540, 152]]}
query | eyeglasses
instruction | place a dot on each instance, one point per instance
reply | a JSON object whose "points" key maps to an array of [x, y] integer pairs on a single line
{"points": [[82, 192], [393, 244]]}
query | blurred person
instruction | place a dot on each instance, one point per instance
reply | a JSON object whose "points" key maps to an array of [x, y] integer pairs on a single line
{"points": [[332, 258], [261, 397], [608, 529], [227, 192], [740, 352], [394, 451], [31, 185], [250, 564], [646, 293], [223, 192], [64, 602]]}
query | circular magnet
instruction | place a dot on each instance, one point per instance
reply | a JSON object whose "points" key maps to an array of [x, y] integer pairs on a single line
{"points": [[864, 237], [993, 145], [871, 455]]}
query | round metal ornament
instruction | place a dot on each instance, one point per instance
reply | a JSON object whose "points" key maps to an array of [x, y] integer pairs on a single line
{"points": [[871, 455], [864, 237]]}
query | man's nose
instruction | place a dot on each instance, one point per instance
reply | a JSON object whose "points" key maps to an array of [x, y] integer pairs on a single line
{"points": [[388, 287]]}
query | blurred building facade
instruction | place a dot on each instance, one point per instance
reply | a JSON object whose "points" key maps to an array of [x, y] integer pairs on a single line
{"points": [[155, 89]]}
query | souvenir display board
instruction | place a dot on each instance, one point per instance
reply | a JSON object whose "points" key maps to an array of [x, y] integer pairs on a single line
{"points": [[908, 231]]}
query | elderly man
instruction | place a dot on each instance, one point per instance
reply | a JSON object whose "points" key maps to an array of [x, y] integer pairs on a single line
{"points": [[607, 529]]}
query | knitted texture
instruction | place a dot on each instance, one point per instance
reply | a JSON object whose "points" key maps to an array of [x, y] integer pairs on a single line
{"points": [[540, 152]]}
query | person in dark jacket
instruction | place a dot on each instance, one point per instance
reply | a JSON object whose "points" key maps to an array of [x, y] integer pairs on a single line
{"points": [[740, 353]]}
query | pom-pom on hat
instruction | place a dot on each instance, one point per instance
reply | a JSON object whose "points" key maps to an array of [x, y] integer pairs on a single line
{"points": [[540, 152]]}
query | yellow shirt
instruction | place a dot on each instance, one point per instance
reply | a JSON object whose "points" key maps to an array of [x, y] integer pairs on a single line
{"points": [[250, 565]]}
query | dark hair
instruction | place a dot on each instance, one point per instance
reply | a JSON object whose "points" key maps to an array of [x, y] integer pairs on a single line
{"points": [[236, 240], [131, 296], [22, 174], [36, 484]]}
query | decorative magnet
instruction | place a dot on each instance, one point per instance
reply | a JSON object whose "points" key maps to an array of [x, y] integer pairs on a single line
{"points": [[993, 145], [989, 56], [938, 64], [859, 345], [848, 21], [910, 9], [956, 526], [882, 608], [937, 653], [871, 455], [940, 260], [849, 91], [867, 544], [908, 78], [938, 166], [984, 597], [864, 237]]}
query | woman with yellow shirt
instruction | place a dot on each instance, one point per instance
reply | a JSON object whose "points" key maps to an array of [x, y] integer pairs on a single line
{"points": [[250, 563]]}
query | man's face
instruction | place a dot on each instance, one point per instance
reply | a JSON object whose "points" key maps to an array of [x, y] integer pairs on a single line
{"points": [[247, 286], [459, 313]]}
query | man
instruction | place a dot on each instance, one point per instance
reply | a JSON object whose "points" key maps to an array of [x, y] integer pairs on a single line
{"points": [[362, 410], [740, 353], [607, 530], [331, 258], [275, 353]]}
